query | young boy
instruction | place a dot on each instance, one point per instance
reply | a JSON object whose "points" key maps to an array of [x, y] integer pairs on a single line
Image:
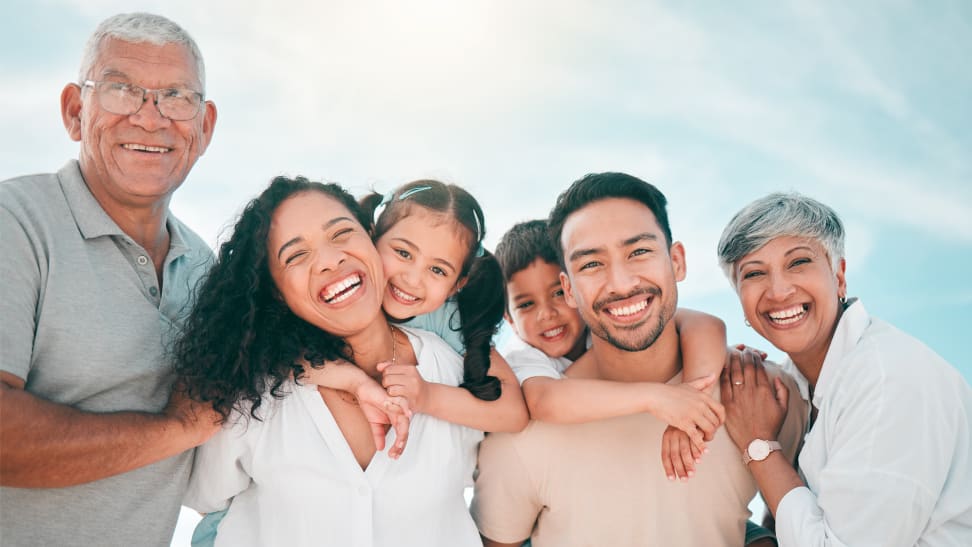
{"points": [[552, 335]]}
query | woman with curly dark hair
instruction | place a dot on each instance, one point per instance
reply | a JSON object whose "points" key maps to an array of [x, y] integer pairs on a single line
{"points": [[300, 282]]}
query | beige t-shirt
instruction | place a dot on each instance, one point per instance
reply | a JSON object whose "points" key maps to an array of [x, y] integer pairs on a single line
{"points": [[602, 484]]}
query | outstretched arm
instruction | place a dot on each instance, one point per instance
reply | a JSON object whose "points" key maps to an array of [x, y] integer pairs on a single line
{"points": [[49, 445], [508, 413], [578, 400]]}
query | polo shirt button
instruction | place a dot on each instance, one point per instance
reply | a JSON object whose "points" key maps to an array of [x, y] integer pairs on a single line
{"points": [[153, 291], [362, 490], [142, 260]]}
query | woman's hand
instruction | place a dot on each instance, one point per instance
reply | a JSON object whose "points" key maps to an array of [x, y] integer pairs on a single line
{"points": [[404, 381], [755, 406], [688, 407], [679, 454]]}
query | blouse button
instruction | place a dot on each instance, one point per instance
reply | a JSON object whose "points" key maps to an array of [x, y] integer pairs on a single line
{"points": [[142, 260]]}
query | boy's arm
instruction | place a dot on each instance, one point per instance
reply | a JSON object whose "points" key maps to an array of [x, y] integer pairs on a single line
{"points": [[702, 339], [577, 400]]}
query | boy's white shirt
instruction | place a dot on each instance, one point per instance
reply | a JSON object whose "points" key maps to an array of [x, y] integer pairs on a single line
{"points": [[529, 362]]}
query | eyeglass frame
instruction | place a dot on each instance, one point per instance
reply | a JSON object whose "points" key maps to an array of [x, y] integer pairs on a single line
{"points": [[145, 91]]}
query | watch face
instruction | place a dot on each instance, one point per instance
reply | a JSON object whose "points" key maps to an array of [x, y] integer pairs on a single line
{"points": [[758, 449]]}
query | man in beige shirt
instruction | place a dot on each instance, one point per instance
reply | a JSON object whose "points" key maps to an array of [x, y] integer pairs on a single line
{"points": [[602, 483]]}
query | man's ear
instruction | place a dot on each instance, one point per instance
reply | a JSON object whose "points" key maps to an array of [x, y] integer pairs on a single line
{"points": [[568, 290], [677, 253], [71, 104], [208, 125]]}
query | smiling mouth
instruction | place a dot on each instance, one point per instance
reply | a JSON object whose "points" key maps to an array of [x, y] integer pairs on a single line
{"points": [[622, 312], [788, 316], [403, 296], [146, 148], [336, 293]]}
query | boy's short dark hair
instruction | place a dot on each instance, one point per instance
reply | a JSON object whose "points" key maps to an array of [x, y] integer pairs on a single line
{"points": [[598, 186], [522, 244]]}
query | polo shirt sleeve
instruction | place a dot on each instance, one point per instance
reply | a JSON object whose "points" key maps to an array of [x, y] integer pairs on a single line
{"points": [[19, 291], [505, 502]]}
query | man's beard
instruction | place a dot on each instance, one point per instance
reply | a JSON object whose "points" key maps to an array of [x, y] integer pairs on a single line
{"points": [[599, 329]]}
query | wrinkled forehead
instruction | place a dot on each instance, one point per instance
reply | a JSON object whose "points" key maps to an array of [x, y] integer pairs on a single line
{"points": [[146, 63]]}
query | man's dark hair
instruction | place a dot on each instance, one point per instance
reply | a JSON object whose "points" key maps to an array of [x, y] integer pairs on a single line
{"points": [[522, 244], [597, 186]]}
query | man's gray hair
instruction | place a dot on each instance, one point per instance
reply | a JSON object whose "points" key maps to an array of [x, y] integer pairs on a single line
{"points": [[776, 215], [140, 27]]}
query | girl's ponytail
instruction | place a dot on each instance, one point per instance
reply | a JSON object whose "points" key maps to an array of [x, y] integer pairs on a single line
{"points": [[480, 305]]}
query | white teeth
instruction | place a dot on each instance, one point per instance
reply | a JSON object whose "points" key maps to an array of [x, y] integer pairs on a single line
{"points": [[552, 332], [144, 148], [335, 289], [627, 310], [787, 316], [402, 294]]}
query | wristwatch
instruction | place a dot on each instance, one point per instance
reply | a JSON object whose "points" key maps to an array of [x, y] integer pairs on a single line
{"points": [[759, 450]]}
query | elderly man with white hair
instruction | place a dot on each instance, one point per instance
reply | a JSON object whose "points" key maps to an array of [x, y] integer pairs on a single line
{"points": [[95, 446]]}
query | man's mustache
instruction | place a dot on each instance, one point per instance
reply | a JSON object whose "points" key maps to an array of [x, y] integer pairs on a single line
{"points": [[610, 299]]}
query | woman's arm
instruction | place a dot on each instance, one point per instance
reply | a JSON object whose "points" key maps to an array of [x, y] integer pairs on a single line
{"points": [[508, 413]]}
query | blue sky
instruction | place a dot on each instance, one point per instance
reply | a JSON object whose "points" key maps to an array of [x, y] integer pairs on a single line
{"points": [[864, 106]]}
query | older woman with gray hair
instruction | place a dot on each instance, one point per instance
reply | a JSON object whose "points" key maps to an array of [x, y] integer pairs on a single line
{"points": [[887, 459]]}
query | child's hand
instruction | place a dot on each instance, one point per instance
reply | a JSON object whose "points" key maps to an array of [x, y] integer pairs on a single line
{"points": [[382, 410], [404, 381], [744, 348], [679, 454], [688, 407]]}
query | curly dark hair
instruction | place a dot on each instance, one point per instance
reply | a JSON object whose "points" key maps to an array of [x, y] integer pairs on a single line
{"points": [[482, 300], [240, 337]]}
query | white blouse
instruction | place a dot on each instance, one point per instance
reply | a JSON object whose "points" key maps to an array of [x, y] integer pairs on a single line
{"points": [[292, 479], [889, 460]]}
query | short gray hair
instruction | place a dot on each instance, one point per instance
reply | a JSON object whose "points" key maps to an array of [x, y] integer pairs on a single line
{"points": [[140, 27], [776, 215]]}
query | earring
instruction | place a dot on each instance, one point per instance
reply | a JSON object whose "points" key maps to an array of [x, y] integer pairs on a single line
{"points": [[842, 300], [747, 322]]}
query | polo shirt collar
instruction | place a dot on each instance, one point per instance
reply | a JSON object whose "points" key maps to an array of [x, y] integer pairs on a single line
{"points": [[91, 218], [853, 322], [93, 221]]}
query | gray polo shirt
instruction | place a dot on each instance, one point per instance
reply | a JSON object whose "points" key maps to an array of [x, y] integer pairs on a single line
{"points": [[86, 324]]}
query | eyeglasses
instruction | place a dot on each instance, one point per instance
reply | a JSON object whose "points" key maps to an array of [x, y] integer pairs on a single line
{"points": [[126, 99]]}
